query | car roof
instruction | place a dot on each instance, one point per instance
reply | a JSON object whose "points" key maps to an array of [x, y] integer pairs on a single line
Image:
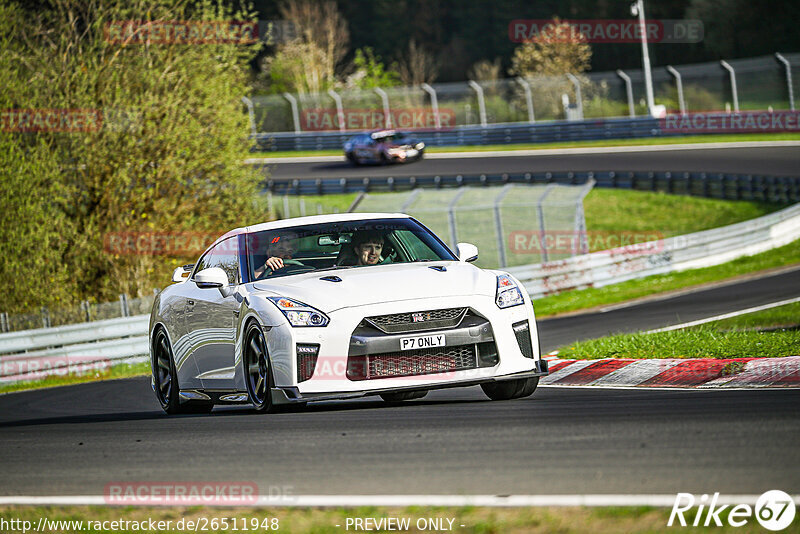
{"points": [[302, 221], [315, 219]]}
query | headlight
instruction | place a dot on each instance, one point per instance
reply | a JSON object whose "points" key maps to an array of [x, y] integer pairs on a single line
{"points": [[508, 294], [299, 314], [420, 145]]}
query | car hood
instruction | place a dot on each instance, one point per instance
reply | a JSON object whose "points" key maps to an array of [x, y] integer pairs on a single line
{"points": [[361, 286]]}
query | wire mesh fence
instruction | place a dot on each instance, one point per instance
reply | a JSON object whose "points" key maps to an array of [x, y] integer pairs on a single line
{"points": [[762, 84], [512, 225]]}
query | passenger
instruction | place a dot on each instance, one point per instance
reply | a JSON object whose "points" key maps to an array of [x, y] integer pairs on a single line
{"points": [[280, 250]]}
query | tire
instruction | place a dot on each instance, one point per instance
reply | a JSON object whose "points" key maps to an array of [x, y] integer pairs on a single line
{"points": [[511, 389], [257, 371], [165, 379], [403, 395]]}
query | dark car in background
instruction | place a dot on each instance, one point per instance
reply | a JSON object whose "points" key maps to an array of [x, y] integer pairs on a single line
{"points": [[383, 146]]}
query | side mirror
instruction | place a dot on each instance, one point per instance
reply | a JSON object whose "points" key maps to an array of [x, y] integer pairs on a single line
{"points": [[466, 252], [212, 277], [181, 273]]}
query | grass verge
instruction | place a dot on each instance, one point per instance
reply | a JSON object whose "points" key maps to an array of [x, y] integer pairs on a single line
{"points": [[565, 520], [124, 370], [566, 144], [614, 294], [756, 335]]}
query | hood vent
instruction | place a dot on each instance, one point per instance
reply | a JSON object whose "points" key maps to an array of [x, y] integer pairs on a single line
{"points": [[331, 279], [440, 268]]}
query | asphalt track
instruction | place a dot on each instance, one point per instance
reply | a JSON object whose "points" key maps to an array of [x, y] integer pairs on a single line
{"points": [[75, 440], [756, 160]]}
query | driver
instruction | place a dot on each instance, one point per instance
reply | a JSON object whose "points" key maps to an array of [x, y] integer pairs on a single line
{"points": [[280, 250], [368, 246]]}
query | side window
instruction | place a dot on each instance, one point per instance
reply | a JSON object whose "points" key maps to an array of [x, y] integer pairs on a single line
{"points": [[224, 255]]}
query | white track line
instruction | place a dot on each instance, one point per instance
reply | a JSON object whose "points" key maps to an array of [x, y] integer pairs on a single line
{"points": [[661, 500], [725, 316], [549, 151]]}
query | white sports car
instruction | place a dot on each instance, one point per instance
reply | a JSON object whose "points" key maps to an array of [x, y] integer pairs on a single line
{"points": [[338, 307]]}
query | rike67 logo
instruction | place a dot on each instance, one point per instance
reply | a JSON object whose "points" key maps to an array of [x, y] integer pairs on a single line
{"points": [[774, 510]]}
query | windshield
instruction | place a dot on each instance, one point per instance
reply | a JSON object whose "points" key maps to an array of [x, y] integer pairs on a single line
{"points": [[341, 245]]}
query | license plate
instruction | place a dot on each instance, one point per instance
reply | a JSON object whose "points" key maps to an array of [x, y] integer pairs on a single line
{"points": [[421, 342]]}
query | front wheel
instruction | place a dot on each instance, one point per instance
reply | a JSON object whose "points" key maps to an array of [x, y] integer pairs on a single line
{"points": [[165, 380], [511, 389], [257, 369]]}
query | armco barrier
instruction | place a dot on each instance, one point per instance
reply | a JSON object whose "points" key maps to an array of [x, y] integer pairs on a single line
{"points": [[496, 134], [691, 251], [31, 354], [783, 189]]}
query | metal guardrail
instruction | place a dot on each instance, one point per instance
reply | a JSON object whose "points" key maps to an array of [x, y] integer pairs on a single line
{"points": [[691, 251], [783, 189], [83, 347], [495, 134]]}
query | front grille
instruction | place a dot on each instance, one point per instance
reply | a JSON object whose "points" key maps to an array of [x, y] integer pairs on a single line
{"points": [[522, 332], [421, 361], [415, 321]]}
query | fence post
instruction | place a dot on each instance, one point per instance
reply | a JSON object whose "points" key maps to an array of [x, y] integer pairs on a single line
{"points": [[386, 111], [732, 72], [579, 100], [339, 108], [123, 305], [434, 104], [481, 104], [679, 83], [295, 112], [451, 216], [580, 217], [788, 68], [45, 317], [252, 114], [540, 214], [628, 91], [498, 225], [528, 98], [286, 214], [4, 322], [86, 313]]}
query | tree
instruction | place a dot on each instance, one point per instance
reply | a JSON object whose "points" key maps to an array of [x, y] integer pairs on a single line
{"points": [[164, 156], [556, 51], [417, 65], [310, 63], [369, 71]]}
